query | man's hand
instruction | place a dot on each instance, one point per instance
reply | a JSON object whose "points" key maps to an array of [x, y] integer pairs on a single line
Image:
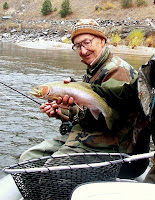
{"points": [[53, 108]]}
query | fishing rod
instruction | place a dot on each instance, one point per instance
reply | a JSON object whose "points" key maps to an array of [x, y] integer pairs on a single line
{"points": [[20, 93]]}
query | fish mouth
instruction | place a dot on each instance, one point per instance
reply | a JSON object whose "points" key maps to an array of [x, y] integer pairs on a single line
{"points": [[37, 93], [40, 91], [43, 92]]}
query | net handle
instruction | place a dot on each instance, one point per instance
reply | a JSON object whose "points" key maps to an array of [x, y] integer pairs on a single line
{"points": [[68, 167]]}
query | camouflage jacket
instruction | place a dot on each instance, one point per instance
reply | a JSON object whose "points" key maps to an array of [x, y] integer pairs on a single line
{"points": [[116, 81]]}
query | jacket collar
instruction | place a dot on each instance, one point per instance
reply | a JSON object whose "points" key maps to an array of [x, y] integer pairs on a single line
{"points": [[96, 64]]}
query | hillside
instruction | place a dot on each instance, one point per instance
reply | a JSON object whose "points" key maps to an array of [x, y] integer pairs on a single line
{"points": [[30, 10]]}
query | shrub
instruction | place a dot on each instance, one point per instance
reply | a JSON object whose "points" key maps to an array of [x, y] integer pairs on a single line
{"points": [[46, 7], [65, 8], [135, 38], [5, 5], [141, 3], [108, 5], [126, 3], [98, 8], [66, 41], [55, 9], [150, 41], [115, 39]]}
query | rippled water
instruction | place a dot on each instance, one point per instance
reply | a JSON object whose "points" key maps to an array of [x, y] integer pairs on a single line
{"points": [[21, 123]]}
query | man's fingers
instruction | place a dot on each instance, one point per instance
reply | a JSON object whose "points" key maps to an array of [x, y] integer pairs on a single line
{"points": [[65, 100], [45, 108], [64, 117], [70, 101], [59, 100]]}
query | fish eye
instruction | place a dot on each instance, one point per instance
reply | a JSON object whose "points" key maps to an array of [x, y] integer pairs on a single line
{"points": [[48, 93]]}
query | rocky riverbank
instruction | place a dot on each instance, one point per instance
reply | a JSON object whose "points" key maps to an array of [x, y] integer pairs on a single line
{"points": [[52, 37], [47, 29]]}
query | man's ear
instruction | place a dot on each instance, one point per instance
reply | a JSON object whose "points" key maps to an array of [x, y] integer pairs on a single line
{"points": [[103, 41]]}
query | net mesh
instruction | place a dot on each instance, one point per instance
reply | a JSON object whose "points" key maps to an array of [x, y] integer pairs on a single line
{"points": [[52, 183]]}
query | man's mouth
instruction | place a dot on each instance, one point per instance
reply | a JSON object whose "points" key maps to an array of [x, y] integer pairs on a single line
{"points": [[88, 56]]}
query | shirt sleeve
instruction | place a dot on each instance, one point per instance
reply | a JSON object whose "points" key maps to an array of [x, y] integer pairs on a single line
{"points": [[119, 90]]}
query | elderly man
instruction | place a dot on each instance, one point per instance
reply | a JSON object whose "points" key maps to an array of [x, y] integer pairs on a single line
{"points": [[116, 82]]}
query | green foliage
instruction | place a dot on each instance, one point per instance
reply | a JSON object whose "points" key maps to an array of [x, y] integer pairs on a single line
{"points": [[135, 38], [126, 3], [115, 39], [141, 3], [5, 5], [55, 9], [66, 41], [108, 5], [65, 8], [46, 7]]}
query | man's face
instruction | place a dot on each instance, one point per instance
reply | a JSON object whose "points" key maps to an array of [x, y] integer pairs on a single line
{"points": [[89, 54]]}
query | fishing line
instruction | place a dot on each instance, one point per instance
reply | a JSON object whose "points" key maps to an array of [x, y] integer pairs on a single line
{"points": [[17, 103], [13, 101], [20, 93]]}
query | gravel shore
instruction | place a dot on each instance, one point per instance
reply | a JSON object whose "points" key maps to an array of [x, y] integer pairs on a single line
{"points": [[51, 45]]}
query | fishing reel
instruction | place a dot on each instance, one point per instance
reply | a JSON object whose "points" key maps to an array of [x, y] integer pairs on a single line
{"points": [[65, 127]]}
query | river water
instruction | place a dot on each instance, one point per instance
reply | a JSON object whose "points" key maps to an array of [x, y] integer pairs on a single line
{"points": [[21, 123]]}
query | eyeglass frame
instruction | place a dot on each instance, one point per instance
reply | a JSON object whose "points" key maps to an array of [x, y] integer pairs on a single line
{"points": [[80, 44]]}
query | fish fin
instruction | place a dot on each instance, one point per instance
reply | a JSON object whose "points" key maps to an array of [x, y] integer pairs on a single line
{"points": [[52, 97], [95, 113], [80, 107]]}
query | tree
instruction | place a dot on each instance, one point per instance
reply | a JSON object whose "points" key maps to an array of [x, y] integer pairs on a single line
{"points": [[65, 8], [5, 5], [46, 7], [126, 3]]}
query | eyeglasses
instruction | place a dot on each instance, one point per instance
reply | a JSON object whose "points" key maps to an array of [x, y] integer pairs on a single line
{"points": [[85, 43]]}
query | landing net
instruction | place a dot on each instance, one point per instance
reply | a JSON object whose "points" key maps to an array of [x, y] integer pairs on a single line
{"points": [[55, 177]]}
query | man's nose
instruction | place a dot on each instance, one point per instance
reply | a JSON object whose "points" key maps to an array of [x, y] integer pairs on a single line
{"points": [[83, 50]]}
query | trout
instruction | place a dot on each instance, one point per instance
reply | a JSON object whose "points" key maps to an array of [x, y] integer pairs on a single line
{"points": [[83, 96]]}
